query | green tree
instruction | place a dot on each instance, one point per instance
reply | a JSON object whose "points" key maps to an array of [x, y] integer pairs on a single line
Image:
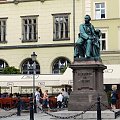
{"points": [[10, 70], [62, 70]]}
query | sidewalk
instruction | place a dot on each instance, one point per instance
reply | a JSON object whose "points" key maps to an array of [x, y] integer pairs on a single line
{"points": [[37, 116]]}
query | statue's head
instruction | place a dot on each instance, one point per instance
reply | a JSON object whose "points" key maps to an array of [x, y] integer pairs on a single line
{"points": [[87, 18]]}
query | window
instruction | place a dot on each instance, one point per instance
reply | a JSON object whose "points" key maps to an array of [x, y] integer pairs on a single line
{"points": [[27, 67], [2, 30], [103, 41], [60, 65], [3, 64], [29, 29], [61, 27], [99, 10]]}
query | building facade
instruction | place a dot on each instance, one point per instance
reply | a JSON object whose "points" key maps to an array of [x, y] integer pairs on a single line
{"points": [[106, 17], [50, 28]]}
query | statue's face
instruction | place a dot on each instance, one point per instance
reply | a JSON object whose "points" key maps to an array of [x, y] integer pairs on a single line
{"points": [[87, 19]]}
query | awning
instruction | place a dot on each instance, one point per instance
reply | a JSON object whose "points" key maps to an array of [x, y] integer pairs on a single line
{"points": [[112, 74], [27, 80], [67, 77]]}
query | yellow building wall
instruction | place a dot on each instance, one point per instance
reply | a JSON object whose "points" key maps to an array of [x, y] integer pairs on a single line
{"points": [[111, 58], [45, 56], [45, 19], [112, 8], [112, 26], [79, 16]]}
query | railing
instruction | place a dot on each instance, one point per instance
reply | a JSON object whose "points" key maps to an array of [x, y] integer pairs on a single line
{"points": [[18, 104]]}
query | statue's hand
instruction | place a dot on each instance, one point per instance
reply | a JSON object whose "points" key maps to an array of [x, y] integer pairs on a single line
{"points": [[91, 38]]}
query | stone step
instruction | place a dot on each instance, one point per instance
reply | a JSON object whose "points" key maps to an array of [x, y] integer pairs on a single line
{"points": [[106, 114]]}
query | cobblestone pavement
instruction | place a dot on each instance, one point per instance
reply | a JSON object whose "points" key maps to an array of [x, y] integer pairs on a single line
{"points": [[37, 116]]}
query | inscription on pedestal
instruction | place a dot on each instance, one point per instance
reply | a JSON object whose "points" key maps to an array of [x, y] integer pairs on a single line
{"points": [[85, 79]]}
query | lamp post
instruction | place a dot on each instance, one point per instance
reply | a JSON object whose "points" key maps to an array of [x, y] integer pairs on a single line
{"points": [[33, 105], [33, 57]]}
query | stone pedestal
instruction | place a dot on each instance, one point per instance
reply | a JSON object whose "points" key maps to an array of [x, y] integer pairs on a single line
{"points": [[87, 85]]}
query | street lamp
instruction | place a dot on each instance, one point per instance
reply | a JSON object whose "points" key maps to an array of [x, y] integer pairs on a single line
{"points": [[33, 57]]}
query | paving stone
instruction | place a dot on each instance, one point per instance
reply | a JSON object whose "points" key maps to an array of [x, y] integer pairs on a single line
{"points": [[44, 116]]}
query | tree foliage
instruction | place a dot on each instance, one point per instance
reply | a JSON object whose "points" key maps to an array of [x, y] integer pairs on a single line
{"points": [[10, 70], [62, 70]]}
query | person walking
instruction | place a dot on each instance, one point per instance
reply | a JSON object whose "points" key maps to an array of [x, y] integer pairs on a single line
{"points": [[37, 96], [45, 98], [59, 100], [65, 97], [113, 97]]}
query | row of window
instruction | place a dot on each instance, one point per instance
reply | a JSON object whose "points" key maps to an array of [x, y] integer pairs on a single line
{"points": [[99, 14], [61, 26], [99, 10], [30, 28], [58, 66]]}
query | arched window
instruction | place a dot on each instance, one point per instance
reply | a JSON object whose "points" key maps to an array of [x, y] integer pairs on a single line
{"points": [[60, 65], [3, 64], [27, 67]]}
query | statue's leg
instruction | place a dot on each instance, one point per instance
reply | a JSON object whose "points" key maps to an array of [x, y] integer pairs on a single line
{"points": [[96, 50], [76, 52], [81, 50], [80, 47], [88, 48]]}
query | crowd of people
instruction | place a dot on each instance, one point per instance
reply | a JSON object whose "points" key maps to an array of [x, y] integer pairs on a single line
{"points": [[62, 99], [42, 98]]}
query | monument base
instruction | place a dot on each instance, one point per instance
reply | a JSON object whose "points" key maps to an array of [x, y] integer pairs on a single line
{"points": [[87, 85], [86, 100]]}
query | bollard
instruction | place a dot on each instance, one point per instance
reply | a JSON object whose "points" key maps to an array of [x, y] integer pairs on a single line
{"points": [[18, 107], [35, 107], [31, 109], [98, 109]]}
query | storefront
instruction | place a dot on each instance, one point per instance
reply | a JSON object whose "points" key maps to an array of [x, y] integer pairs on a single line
{"points": [[112, 77], [54, 83]]}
